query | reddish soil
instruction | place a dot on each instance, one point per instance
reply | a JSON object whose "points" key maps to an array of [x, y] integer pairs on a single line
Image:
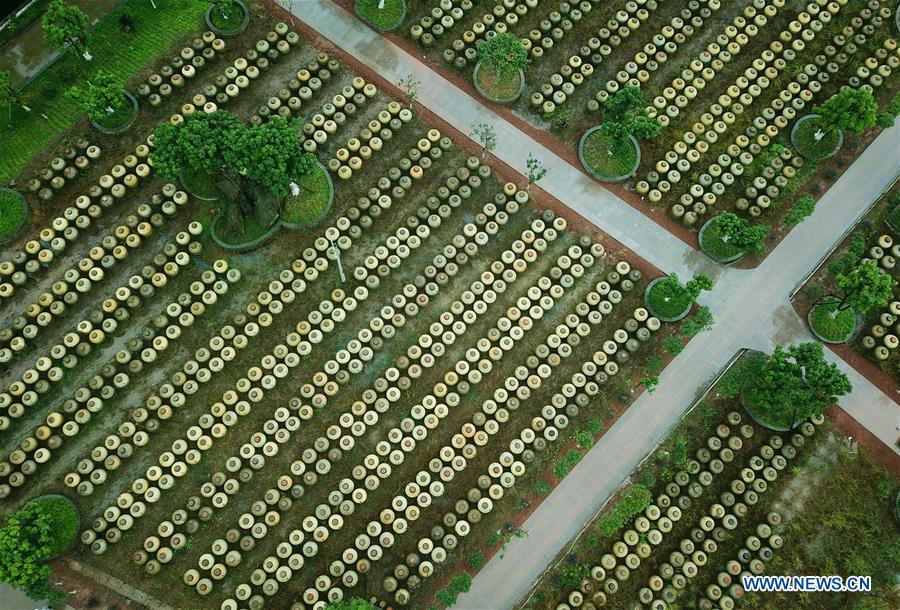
{"points": [[84, 591], [883, 454]]}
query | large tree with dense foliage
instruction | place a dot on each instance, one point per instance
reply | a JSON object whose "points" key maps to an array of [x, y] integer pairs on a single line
{"points": [[738, 232], [65, 24], [25, 541], [255, 166], [849, 109], [503, 54], [625, 114], [864, 287], [795, 383], [103, 95]]}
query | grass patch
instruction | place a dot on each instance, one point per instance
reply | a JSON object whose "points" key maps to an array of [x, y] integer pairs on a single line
{"points": [[312, 202], [668, 306], [501, 87], [64, 523], [227, 20], [12, 214], [608, 162], [805, 140], [383, 19], [712, 242], [831, 326], [119, 53]]}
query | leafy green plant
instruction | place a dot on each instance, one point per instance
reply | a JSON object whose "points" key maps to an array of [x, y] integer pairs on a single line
{"points": [[65, 24], [503, 54], [584, 439], [565, 465], [702, 320], [636, 499], [485, 134], [801, 209], [625, 115], [864, 287], [673, 346], [476, 560], [102, 98], [535, 170], [739, 233], [541, 487], [849, 109], [355, 603], [9, 93]]}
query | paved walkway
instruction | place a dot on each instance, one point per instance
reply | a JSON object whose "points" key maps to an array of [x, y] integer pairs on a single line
{"points": [[751, 307]]}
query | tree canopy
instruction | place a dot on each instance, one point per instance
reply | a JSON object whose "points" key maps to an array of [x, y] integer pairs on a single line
{"points": [[795, 383], [852, 109], [739, 233], [103, 94], [503, 54], [9, 92], [65, 24], [624, 115], [24, 544], [864, 287]]}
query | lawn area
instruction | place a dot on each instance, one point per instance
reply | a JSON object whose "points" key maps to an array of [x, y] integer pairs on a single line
{"points": [[830, 326], [119, 53], [12, 213], [312, 202], [64, 522], [502, 87], [383, 19], [712, 243], [804, 139], [608, 162]]}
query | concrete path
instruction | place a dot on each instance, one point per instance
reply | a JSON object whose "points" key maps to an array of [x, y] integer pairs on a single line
{"points": [[27, 54], [751, 307]]}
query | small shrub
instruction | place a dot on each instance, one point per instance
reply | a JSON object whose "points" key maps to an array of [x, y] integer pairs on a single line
{"points": [[541, 487], [595, 426], [476, 560], [566, 464], [584, 439], [673, 346], [635, 500]]}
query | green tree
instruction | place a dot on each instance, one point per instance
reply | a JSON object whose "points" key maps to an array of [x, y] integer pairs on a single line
{"points": [[864, 287], [24, 544], [66, 24], [255, 166], [802, 208], [849, 109], [536, 170], [9, 93], [485, 134], [737, 231], [795, 384], [503, 55], [103, 96], [698, 284], [355, 603], [625, 114]]}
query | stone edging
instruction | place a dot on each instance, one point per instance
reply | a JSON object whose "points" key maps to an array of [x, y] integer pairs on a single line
{"points": [[126, 125], [25, 218], [277, 225], [810, 117], [857, 325], [376, 28], [234, 32], [593, 174], [497, 100], [656, 314], [726, 261]]}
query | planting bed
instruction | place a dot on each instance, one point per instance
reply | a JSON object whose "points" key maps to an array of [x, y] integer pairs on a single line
{"points": [[873, 350], [726, 79], [239, 430], [722, 497]]}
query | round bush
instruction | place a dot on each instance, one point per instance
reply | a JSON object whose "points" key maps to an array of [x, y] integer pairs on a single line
{"points": [[64, 522], [832, 325]]}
